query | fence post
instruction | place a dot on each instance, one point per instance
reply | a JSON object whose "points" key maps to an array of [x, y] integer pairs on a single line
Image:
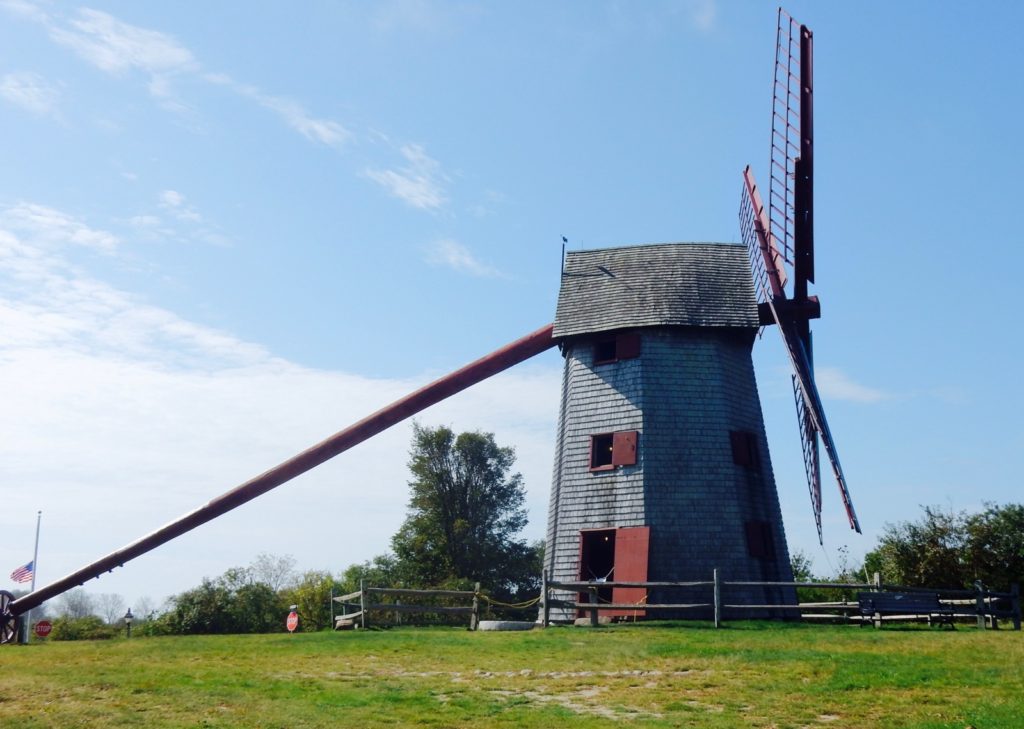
{"points": [[333, 623], [545, 607], [717, 600], [592, 597], [362, 603], [1015, 604], [474, 617], [980, 603]]}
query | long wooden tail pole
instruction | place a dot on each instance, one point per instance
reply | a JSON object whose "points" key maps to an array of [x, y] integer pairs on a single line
{"points": [[435, 392]]}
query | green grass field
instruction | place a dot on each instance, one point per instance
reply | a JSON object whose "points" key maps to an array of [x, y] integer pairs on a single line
{"points": [[748, 674]]}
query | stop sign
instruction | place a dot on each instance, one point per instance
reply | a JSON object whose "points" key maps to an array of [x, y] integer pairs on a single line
{"points": [[43, 628], [293, 621]]}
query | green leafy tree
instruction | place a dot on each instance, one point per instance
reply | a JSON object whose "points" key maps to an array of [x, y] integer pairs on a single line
{"points": [[995, 545], [924, 553], [232, 603], [953, 549], [312, 595], [465, 512], [382, 571]]}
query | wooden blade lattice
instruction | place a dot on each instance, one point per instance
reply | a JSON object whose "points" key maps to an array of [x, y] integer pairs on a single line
{"points": [[785, 137], [812, 458]]}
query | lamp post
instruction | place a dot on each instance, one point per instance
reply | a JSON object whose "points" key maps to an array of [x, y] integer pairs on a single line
{"points": [[128, 622]]}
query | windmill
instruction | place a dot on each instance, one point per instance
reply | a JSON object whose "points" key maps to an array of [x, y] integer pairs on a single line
{"points": [[679, 480], [684, 480], [780, 241]]}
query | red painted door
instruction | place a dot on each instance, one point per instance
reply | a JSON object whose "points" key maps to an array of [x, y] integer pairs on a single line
{"points": [[631, 544]]}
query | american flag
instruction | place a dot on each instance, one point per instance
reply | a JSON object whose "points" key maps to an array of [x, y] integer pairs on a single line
{"points": [[23, 573]]}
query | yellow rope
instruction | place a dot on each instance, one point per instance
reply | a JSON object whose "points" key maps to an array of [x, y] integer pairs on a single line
{"points": [[518, 605]]}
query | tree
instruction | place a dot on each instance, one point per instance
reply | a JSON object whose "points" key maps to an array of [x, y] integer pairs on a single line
{"points": [[76, 603], [110, 606], [925, 553], [995, 545], [273, 570], [952, 550], [233, 603], [144, 609], [312, 595], [465, 511]]}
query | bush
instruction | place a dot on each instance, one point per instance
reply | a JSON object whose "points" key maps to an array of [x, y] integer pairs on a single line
{"points": [[88, 628]]}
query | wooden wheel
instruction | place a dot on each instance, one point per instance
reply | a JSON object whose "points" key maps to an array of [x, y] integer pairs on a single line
{"points": [[8, 620]]}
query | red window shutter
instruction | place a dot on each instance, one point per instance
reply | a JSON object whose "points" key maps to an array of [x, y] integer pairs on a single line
{"points": [[631, 547], [759, 540], [627, 345], [624, 448], [739, 451], [744, 448]]}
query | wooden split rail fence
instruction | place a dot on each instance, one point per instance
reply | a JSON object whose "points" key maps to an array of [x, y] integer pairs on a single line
{"points": [[362, 599], [987, 606]]}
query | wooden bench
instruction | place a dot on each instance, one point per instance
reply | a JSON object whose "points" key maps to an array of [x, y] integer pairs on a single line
{"points": [[873, 605]]}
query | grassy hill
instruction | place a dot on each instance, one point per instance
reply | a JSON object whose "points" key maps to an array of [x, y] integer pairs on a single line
{"points": [[748, 674]]}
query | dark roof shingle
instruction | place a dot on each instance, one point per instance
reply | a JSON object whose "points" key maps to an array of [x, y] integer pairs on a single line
{"points": [[669, 284]]}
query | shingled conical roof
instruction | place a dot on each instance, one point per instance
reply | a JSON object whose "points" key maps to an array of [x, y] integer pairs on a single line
{"points": [[669, 284]]}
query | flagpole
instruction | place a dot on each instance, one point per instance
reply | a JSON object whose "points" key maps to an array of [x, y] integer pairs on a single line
{"points": [[27, 623]]}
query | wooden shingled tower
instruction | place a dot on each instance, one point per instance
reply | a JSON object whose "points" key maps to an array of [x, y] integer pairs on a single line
{"points": [[661, 468]]}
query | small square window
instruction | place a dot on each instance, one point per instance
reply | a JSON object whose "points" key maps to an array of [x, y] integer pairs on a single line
{"points": [[609, 450], [601, 451], [604, 351], [624, 345]]}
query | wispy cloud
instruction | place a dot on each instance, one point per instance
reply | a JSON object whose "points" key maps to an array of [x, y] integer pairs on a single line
{"points": [[323, 131], [53, 303], [702, 14], [30, 91], [117, 407], [116, 47], [174, 202], [454, 255], [24, 9], [45, 226], [419, 183], [837, 385]]}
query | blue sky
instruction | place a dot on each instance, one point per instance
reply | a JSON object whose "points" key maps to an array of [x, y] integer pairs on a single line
{"points": [[229, 232]]}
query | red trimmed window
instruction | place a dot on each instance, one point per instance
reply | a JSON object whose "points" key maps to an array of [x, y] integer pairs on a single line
{"points": [[610, 450], [624, 345]]}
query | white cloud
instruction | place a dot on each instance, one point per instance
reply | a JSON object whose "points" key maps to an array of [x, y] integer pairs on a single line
{"points": [[454, 255], [30, 91], [171, 198], [120, 416], [703, 14], [45, 225], [835, 384], [24, 9], [174, 202], [116, 47], [324, 131], [419, 183]]}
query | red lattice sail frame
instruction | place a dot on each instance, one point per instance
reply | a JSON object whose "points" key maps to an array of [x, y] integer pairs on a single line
{"points": [[780, 242]]}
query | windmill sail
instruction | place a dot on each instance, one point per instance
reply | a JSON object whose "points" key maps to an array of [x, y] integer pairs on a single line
{"points": [[780, 242]]}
